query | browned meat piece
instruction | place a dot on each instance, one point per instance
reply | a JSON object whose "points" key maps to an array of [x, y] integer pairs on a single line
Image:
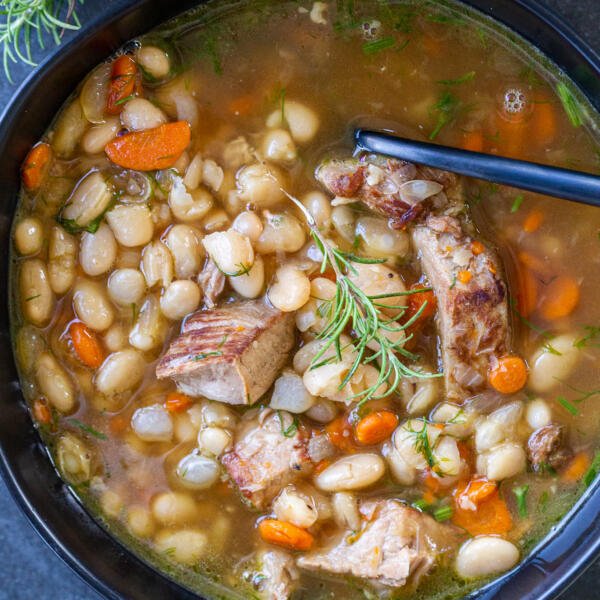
{"points": [[396, 542], [472, 313], [277, 575], [268, 454], [546, 447], [471, 294], [378, 182], [231, 354], [212, 282]]}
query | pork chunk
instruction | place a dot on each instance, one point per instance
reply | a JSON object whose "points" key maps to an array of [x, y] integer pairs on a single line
{"points": [[277, 575], [269, 453], [231, 353], [395, 543], [546, 447]]}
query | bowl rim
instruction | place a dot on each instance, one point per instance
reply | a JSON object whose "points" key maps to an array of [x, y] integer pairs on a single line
{"points": [[566, 551]]}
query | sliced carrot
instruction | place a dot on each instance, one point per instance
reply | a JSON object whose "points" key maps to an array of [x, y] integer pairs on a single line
{"points": [[285, 534], [41, 412], [477, 247], [35, 167], [577, 468], [376, 427], [417, 300], [543, 122], [533, 221], [472, 140], [177, 402], [432, 483], [527, 292], [464, 276], [560, 298], [509, 375], [86, 344], [512, 137], [465, 452], [152, 149], [475, 492], [339, 432], [122, 83], [537, 265], [488, 516]]}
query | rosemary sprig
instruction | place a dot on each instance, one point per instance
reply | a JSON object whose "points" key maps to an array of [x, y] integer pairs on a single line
{"points": [[24, 18]]}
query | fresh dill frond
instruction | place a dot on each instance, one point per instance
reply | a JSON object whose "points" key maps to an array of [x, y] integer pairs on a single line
{"points": [[446, 109], [570, 104], [25, 20]]}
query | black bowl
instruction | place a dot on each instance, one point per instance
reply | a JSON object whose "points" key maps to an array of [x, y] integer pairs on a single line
{"points": [[57, 516]]}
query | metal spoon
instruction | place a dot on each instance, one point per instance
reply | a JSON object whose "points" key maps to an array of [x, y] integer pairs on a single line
{"points": [[551, 181]]}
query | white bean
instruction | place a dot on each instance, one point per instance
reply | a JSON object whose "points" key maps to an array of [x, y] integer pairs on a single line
{"points": [[278, 146], [457, 422], [139, 114], [29, 344], [55, 384], [193, 173], [68, 129], [230, 250], [92, 306], [404, 441], [213, 441], [185, 546], [402, 472], [74, 459], [184, 243], [250, 284], [62, 259], [111, 503], [157, 264], [418, 394], [189, 206], [120, 372], [98, 251], [345, 510], [150, 328], [140, 521], [152, 423], [216, 220], [37, 298], [89, 200], [29, 236], [502, 462], [215, 414], [126, 286], [488, 433], [322, 411], [292, 507], [174, 508], [548, 369], [377, 279], [180, 299], [260, 185], [282, 232], [131, 223], [381, 239], [343, 219], [197, 472], [538, 413], [115, 337], [485, 555], [319, 207], [248, 223], [154, 61], [302, 121], [96, 137], [351, 473], [212, 175], [184, 429], [291, 289], [290, 394], [447, 456]]}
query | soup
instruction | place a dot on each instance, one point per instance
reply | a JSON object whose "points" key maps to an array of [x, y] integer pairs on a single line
{"points": [[276, 370]]}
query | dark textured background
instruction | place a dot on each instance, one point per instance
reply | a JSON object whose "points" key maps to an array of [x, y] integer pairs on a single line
{"points": [[29, 570]]}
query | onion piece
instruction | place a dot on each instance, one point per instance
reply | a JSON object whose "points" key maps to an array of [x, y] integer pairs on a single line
{"points": [[417, 190], [94, 94]]}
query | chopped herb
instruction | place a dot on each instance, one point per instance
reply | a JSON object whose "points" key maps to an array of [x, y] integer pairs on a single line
{"points": [[567, 405], [356, 242], [443, 513], [88, 429], [521, 496], [72, 227], [592, 333], [517, 203], [543, 501], [446, 19], [570, 104], [420, 504], [124, 100], [242, 270], [374, 46], [591, 473], [462, 79], [204, 355], [482, 35], [32, 297], [291, 430], [453, 284], [422, 444], [446, 109], [546, 468], [223, 340]]}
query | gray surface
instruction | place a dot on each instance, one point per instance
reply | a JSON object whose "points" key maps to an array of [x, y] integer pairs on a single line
{"points": [[29, 570]]}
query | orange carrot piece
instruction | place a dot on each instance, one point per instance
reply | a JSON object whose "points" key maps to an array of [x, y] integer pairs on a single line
{"points": [[36, 166], [512, 137], [177, 402], [543, 122], [285, 534], [415, 301], [41, 412], [472, 140], [477, 247], [533, 221], [576, 468], [122, 84], [376, 427], [242, 105], [464, 276], [321, 466], [560, 298], [527, 292], [509, 375], [489, 516], [475, 492], [339, 433], [152, 149], [86, 344], [432, 483], [534, 263]]}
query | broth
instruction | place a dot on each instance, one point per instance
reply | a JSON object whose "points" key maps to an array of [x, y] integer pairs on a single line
{"points": [[233, 71]]}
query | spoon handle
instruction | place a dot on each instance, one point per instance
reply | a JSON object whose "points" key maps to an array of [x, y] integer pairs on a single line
{"points": [[551, 181]]}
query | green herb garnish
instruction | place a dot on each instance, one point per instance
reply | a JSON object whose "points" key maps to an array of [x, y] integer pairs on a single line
{"points": [[567, 405], [88, 429], [290, 430], [517, 203], [542, 332], [204, 355], [446, 109], [443, 513], [590, 338], [374, 46], [591, 473], [30, 298], [521, 496], [462, 79], [570, 104], [543, 501]]}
